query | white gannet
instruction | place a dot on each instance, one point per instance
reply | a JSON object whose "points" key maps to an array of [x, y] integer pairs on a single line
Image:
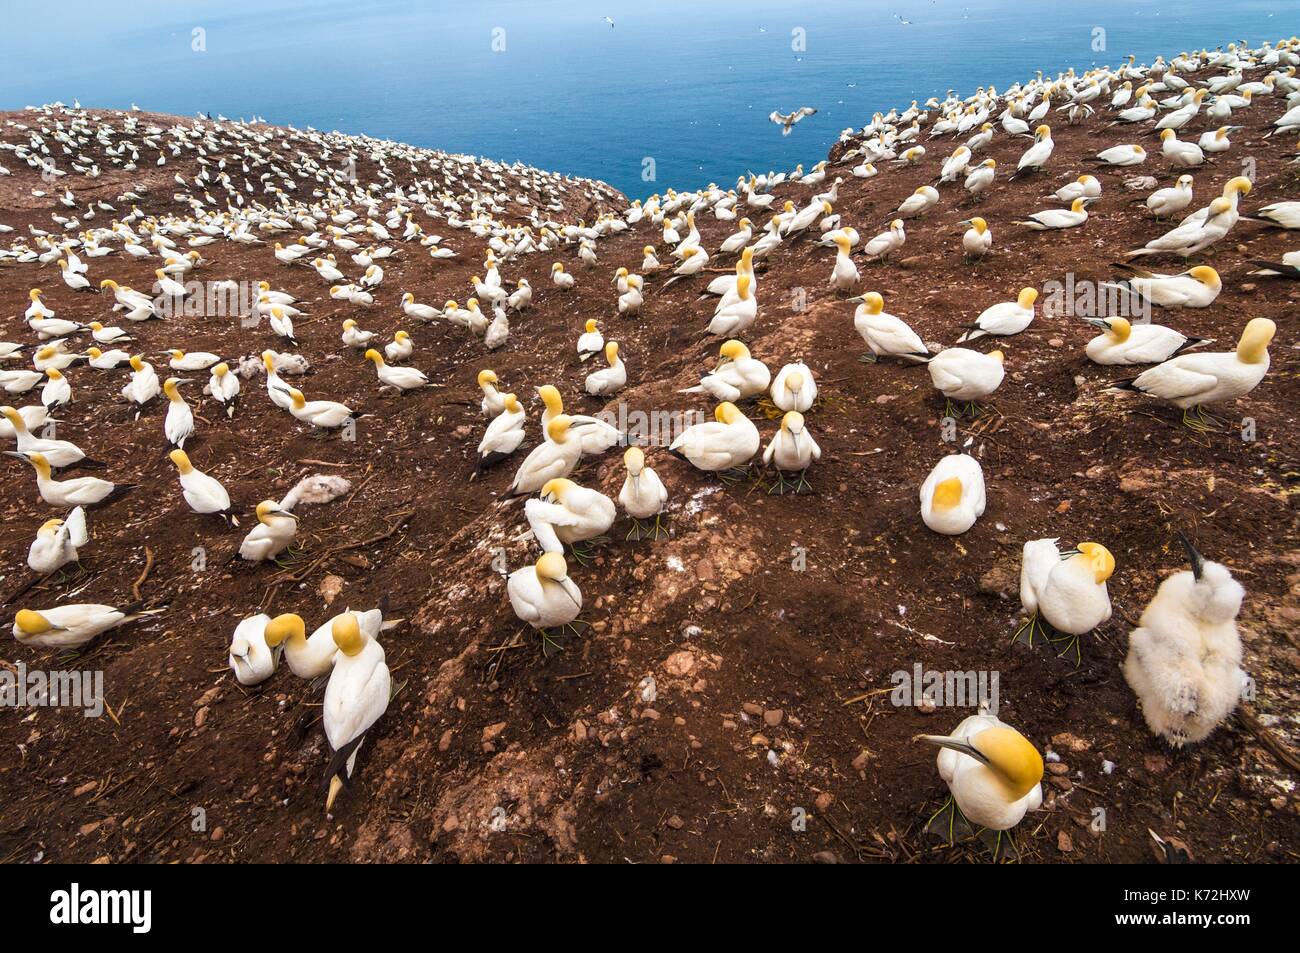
{"points": [[845, 273], [178, 425], [504, 434], [249, 657], [143, 385], [1085, 186], [70, 627], [1058, 218], [952, 496], [727, 442], [192, 361], [1036, 156], [1123, 156], [594, 433], [977, 239], [223, 386], [57, 542], [791, 450], [57, 391], [1179, 153], [886, 335], [203, 493], [991, 770], [793, 388], [566, 513], [737, 377], [356, 696], [607, 380], [881, 246], [1195, 288], [591, 342], [399, 379], [58, 453], [273, 533], [734, 315], [1004, 318], [77, 491], [1170, 201], [543, 595], [562, 279], [550, 459], [1184, 659], [1122, 342], [919, 202], [642, 495], [400, 348], [961, 374], [1191, 381], [1065, 590]]}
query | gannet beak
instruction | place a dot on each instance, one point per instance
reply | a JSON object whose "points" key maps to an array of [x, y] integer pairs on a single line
{"points": [[1097, 323], [16, 453], [283, 513], [956, 744], [1195, 558]]}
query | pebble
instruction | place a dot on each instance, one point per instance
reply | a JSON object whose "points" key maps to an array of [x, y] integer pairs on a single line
{"points": [[773, 717]]}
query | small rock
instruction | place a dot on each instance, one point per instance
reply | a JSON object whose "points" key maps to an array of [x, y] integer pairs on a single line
{"points": [[773, 717], [1063, 843]]}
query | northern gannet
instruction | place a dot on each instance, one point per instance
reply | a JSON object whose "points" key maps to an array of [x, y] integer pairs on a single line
{"points": [[1004, 318], [58, 453], [607, 380], [273, 533], [1065, 590], [356, 696], [1184, 659], [591, 342], [794, 388], [1122, 342], [952, 496], [737, 377], [70, 627], [1170, 201], [787, 120], [223, 386], [977, 239], [400, 348], [203, 493], [961, 374], [57, 391], [791, 450], [1036, 156], [886, 335], [727, 442], [249, 657], [549, 460], [504, 434], [57, 542], [562, 279], [594, 433], [642, 496], [398, 378], [178, 425], [543, 595], [1058, 218], [566, 513], [77, 491], [143, 385], [1195, 288]]}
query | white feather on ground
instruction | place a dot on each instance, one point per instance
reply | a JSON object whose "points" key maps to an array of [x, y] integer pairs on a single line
{"points": [[317, 488]]}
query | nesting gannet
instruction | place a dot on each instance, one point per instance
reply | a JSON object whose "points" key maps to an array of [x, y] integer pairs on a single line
{"points": [[77, 491], [607, 380], [794, 387], [223, 386], [980, 179], [543, 595], [398, 378], [58, 453], [1191, 381], [961, 374], [886, 335], [566, 513], [1004, 318], [32, 416], [1122, 342], [1065, 590], [727, 442], [193, 361], [631, 300], [1057, 218], [642, 496], [550, 459], [919, 202], [1085, 186], [19, 382], [273, 533], [562, 279], [952, 496], [591, 342], [110, 335], [143, 385], [203, 493], [1195, 288], [883, 245], [1179, 153], [70, 627], [734, 316], [57, 391], [1036, 156], [356, 696], [249, 657], [1171, 201], [1184, 659], [57, 542], [1282, 214], [504, 434], [791, 450], [1287, 267], [1123, 156], [991, 770], [312, 656], [737, 377], [178, 425]]}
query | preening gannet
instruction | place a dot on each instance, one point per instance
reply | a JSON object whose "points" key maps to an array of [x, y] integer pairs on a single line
{"points": [[1191, 381], [1122, 342], [1036, 156], [1065, 590], [952, 496], [1004, 318], [273, 533], [1184, 659], [70, 627], [400, 348], [543, 595], [566, 513], [356, 696], [551, 459], [504, 434], [562, 279], [57, 542], [249, 657], [595, 434], [961, 374]]}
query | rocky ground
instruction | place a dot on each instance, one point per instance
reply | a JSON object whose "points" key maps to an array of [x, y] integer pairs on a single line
{"points": [[730, 701]]}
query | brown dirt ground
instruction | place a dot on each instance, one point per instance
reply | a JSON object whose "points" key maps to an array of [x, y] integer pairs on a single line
{"points": [[556, 758]]}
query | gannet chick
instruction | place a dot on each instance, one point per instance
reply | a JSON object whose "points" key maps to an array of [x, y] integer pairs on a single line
{"points": [[78, 491], [1194, 288], [70, 627], [737, 377], [794, 388], [356, 696], [607, 380], [178, 425], [952, 496], [1184, 659], [642, 496], [977, 239], [550, 459], [203, 493], [399, 379], [1191, 381], [961, 374], [992, 771], [273, 533], [1004, 318], [1065, 590], [223, 386], [792, 450], [727, 442], [591, 342], [504, 434], [566, 513], [1125, 343], [400, 348], [543, 595], [886, 335], [249, 657], [57, 542], [563, 280]]}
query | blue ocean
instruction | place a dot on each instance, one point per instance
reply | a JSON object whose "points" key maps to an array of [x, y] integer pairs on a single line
{"points": [[671, 93]]}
